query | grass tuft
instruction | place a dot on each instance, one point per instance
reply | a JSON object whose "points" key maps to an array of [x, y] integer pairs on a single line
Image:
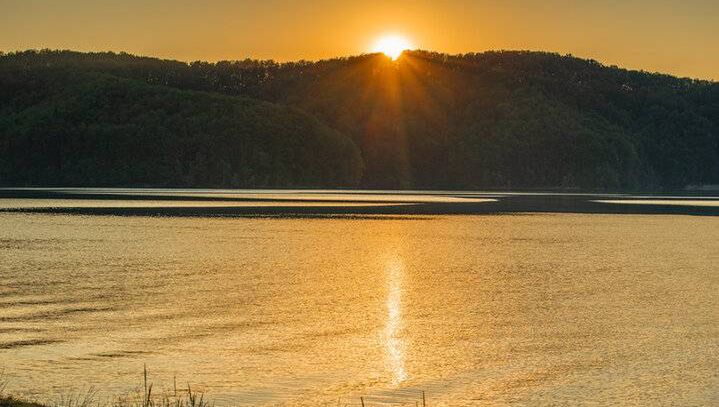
{"points": [[144, 397]]}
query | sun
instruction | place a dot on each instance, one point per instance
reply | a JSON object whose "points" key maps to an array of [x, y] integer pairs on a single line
{"points": [[392, 45]]}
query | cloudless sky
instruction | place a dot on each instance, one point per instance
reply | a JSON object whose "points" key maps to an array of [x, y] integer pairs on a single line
{"points": [[678, 37]]}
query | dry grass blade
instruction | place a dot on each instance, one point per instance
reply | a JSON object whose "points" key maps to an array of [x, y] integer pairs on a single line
{"points": [[86, 399]]}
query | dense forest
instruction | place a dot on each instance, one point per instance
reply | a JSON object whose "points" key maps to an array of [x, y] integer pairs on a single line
{"points": [[428, 120]]}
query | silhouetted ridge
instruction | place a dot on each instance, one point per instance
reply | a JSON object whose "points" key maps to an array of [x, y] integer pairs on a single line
{"points": [[428, 120]]}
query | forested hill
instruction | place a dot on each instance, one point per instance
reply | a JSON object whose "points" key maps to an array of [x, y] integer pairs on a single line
{"points": [[66, 127], [427, 120]]}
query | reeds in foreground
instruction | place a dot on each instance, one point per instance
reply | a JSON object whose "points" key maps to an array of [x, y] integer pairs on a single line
{"points": [[141, 398], [175, 398], [146, 397]]}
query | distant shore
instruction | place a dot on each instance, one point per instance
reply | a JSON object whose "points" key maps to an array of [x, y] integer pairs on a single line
{"points": [[356, 203]]}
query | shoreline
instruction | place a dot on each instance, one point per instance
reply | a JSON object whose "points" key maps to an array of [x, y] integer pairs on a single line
{"points": [[277, 203]]}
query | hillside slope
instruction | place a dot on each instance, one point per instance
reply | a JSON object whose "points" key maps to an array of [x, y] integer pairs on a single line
{"points": [[490, 120], [60, 127]]}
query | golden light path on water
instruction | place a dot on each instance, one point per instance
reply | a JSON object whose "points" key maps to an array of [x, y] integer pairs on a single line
{"points": [[394, 346]]}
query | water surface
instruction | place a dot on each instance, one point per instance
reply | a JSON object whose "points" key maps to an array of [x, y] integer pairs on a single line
{"points": [[474, 310]]}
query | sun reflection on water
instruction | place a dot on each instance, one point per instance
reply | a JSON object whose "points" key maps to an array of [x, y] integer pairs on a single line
{"points": [[394, 345]]}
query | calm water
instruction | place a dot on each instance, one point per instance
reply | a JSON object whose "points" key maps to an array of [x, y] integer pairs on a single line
{"points": [[474, 310]]}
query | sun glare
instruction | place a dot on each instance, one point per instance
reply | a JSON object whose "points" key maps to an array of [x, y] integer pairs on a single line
{"points": [[392, 45]]}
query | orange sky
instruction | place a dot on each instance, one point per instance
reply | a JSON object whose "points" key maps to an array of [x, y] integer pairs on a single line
{"points": [[678, 37]]}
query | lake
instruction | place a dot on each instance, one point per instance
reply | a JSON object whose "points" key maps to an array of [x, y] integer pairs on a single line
{"points": [[482, 309]]}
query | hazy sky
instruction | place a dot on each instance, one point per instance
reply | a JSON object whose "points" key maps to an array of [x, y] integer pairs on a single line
{"points": [[678, 37]]}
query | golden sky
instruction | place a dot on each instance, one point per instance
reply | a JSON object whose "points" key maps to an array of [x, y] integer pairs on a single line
{"points": [[678, 37]]}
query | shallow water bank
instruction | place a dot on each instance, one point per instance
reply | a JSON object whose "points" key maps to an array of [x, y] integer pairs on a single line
{"points": [[320, 203]]}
